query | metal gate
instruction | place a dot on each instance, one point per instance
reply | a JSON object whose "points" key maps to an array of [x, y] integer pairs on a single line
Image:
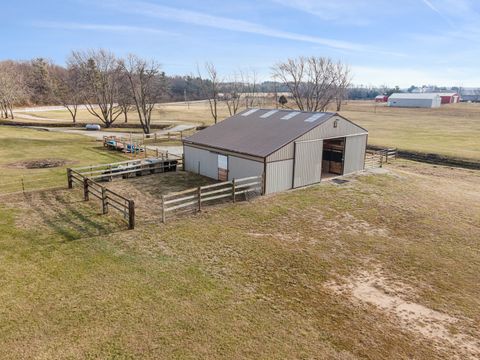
{"points": [[308, 162]]}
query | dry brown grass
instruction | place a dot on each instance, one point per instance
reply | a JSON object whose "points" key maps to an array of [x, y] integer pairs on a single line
{"points": [[252, 280]]}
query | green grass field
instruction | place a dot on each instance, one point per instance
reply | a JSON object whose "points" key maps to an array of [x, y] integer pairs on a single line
{"points": [[284, 276], [21, 148], [452, 130]]}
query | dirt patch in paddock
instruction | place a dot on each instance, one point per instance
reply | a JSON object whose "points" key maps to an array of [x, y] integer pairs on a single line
{"points": [[391, 298], [147, 190], [39, 164]]}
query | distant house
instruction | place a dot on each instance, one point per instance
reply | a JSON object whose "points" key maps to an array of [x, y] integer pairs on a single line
{"points": [[471, 94], [449, 98], [381, 98], [290, 149], [419, 100]]}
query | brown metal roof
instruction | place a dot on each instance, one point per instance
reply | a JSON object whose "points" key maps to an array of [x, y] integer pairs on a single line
{"points": [[258, 132]]}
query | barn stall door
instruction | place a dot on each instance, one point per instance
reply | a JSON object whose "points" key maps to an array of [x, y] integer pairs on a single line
{"points": [[308, 162], [222, 167]]}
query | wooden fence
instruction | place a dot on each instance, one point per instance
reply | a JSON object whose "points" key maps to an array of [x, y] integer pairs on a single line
{"points": [[108, 198], [195, 198], [125, 169], [376, 158]]}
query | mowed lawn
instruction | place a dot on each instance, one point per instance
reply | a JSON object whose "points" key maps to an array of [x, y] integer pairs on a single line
{"points": [[452, 130], [25, 151], [312, 273]]}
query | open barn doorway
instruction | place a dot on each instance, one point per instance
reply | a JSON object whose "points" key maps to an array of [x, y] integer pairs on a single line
{"points": [[333, 157]]}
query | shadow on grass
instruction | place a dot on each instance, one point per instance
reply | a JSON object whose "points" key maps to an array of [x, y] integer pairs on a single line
{"points": [[70, 218]]}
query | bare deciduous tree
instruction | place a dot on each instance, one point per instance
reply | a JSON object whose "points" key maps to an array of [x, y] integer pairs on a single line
{"points": [[147, 86], [125, 99], [232, 92], [67, 89], [250, 79], [12, 88], [312, 81], [100, 76], [342, 83], [210, 88]]}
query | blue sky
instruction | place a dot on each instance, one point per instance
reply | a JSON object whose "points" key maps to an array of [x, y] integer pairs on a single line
{"points": [[391, 42]]}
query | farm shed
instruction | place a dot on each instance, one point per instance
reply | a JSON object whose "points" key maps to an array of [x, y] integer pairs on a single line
{"points": [[470, 94], [449, 98], [292, 148], [419, 100], [381, 98]]}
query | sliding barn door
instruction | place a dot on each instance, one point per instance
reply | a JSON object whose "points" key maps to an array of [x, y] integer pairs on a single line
{"points": [[308, 162]]}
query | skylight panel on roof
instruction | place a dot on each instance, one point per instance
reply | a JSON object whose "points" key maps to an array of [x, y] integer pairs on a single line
{"points": [[314, 117], [291, 115], [249, 112], [267, 114]]}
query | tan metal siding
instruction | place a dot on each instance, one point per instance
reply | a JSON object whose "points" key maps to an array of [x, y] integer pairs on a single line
{"points": [[225, 152], [327, 130], [323, 131], [279, 176], [241, 168], [308, 163], [201, 162], [354, 154], [284, 153]]}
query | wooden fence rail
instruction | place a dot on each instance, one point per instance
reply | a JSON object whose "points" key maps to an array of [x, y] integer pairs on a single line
{"points": [[195, 198], [125, 168], [108, 198], [376, 158]]}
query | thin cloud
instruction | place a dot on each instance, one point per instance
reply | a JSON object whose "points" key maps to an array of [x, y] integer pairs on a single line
{"points": [[429, 4], [224, 23], [100, 27]]}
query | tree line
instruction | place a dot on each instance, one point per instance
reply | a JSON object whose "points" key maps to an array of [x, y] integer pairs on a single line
{"points": [[111, 87]]}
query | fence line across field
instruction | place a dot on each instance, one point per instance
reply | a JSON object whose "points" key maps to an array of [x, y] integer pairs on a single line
{"points": [[196, 197]]}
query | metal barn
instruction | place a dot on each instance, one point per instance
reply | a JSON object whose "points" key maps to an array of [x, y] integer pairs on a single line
{"points": [[291, 148], [415, 100], [449, 98]]}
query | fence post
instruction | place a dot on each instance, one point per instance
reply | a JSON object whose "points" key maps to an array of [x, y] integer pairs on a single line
{"points": [[69, 178], [104, 201], [183, 162], [199, 195], [163, 209], [381, 160], [233, 190], [85, 189], [23, 186], [131, 214]]}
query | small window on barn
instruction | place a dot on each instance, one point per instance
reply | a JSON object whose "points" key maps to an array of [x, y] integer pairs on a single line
{"points": [[335, 123]]}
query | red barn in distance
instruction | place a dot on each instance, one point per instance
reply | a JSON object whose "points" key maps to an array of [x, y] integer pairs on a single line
{"points": [[381, 98], [449, 98]]}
